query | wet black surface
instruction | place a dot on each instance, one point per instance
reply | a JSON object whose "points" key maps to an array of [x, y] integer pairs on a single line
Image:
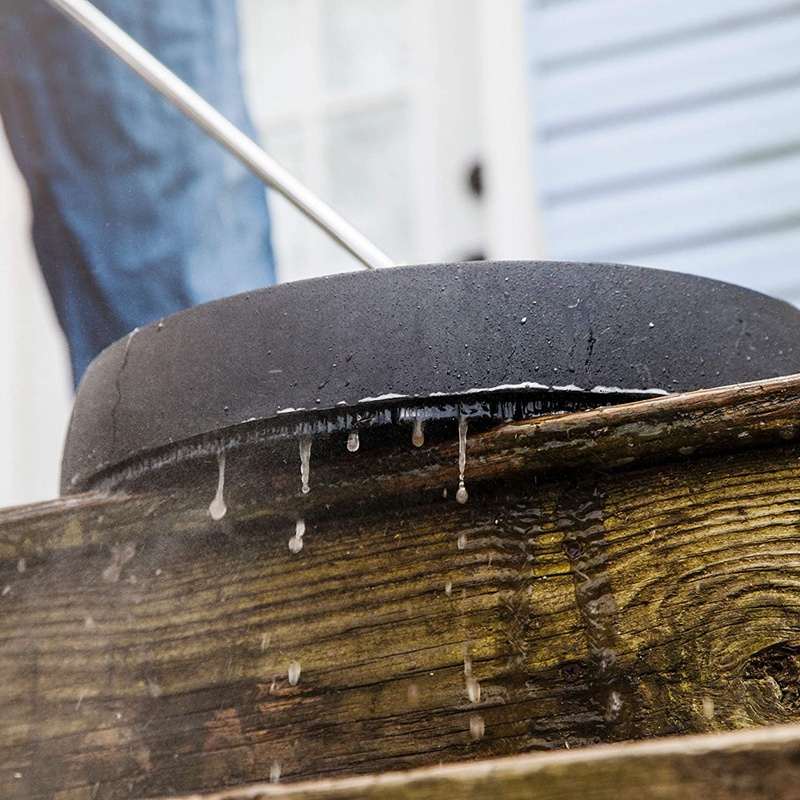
{"points": [[360, 343]]}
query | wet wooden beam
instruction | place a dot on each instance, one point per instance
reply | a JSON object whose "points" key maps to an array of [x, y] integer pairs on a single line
{"points": [[746, 765], [616, 574]]}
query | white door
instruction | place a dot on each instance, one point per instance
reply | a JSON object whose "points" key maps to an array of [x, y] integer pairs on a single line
{"points": [[385, 108]]}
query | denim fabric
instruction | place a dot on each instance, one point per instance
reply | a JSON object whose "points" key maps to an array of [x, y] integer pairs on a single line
{"points": [[136, 213]]}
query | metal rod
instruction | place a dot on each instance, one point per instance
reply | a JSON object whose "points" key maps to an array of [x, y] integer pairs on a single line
{"points": [[225, 132]]}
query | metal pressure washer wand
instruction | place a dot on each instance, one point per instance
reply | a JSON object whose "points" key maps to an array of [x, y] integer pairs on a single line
{"points": [[225, 132]]}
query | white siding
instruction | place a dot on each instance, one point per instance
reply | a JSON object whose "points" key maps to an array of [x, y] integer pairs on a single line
{"points": [[668, 134]]}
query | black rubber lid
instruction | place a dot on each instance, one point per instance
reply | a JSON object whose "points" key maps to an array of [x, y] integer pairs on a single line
{"points": [[367, 339]]}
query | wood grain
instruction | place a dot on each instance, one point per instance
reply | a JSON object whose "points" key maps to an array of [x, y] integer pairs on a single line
{"points": [[746, 765], [602, 584]]}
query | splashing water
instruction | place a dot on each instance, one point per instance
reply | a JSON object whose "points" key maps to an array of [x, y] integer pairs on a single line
{"points": [[462, 495], [305, 462], [296, 542], [294, 673], [418, 434], [353, 442], [218, 509]]}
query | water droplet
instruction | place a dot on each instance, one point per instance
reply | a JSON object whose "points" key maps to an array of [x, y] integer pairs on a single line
{"points": [[305, 462], [218, 509], [353, 442], [473, 690], [467, 659], [21, 565], [418, 434], [413, 695], [477, 727], [462, 541], [448, 588], [296, 542], [275, 772], [708, 707], [265, 640], [294, 673], [462, 495], [614, 705]]}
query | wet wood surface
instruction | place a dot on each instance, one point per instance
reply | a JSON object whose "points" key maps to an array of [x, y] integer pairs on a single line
{"points": [[622, 573], [761, 764]]}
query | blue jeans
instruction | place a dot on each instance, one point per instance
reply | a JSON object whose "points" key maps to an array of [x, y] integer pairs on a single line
{"points": [[136, 213]]}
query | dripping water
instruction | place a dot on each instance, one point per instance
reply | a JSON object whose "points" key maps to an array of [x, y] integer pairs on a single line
{"points": [[305, 462], [218, 509], [294, 673], [296, 542], [462, 495], [418, 434], [477, 727], [353, 442], [275, 772]]}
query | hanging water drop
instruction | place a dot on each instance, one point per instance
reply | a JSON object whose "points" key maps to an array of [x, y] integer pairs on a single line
{"points": [[305, 462], [462, 495], [294, 673], [353, 442], [218, 509], [296, 542], [418, 434]]}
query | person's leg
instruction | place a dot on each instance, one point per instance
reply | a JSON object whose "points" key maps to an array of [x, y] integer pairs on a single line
{"points": [[136, 213]]}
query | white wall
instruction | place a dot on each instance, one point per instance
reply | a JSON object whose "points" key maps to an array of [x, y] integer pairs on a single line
{"points": [[35, 387], [668, 135]]}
